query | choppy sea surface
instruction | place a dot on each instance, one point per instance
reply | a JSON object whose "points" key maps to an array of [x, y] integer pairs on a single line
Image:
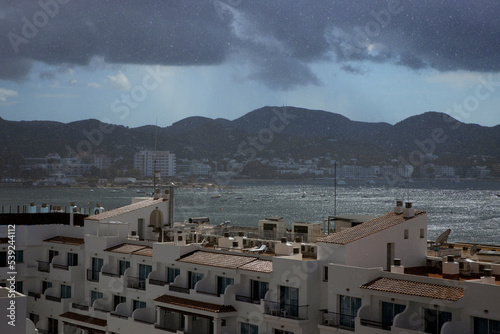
{"points": [[470, 208]]}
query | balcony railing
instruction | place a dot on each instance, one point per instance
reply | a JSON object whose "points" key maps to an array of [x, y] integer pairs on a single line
{"points": [[178, 289], [136, 283], [60, 266], [44, 266], [286, 310], [337, 320], [375, 324], [34, 294], [118, 315], [92, 275], [157, 282], [107, 273], [208, 293], [80, 307], [53, 298], [246, 299]]}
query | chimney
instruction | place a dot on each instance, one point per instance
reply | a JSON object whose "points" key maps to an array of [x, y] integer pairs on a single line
{"points": [[487, 278], [451, 269], [157, 194], [408, 211], [397, 267], [399, 207], [32, 208]]}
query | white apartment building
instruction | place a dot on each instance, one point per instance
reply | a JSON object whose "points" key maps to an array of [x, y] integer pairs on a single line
{"points": [[150, 161], [133, 270]]}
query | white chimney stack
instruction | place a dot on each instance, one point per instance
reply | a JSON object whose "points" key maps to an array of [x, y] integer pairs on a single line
{"points": [[408, 211], [399, 207], [397, 267], [451, 269], [488, 278]]}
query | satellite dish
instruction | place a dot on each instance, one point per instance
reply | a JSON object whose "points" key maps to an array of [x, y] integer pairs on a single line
{"points": [[473, 250], [443, 238]]}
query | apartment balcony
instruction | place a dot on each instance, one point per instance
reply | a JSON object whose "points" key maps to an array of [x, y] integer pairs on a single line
{"points": [[178, 289], [63, 272], [141, 320], [337, 320], [112, 282], [136, 283], [55, 303], [287, 311], [43, 266], [155, 287], [92, 275]]}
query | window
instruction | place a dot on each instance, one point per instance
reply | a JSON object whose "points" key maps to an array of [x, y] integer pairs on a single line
{"points": [[280, 331], [72, 259], [325, 274], [65, 291], [406, 234], [349, 307], [52, 326], [19, 256], [52, 254], [94, 295], [389, 311], [223, 283], [172, 273], [34, 317], [45, 286], [3, 259], [289, 301], [194, 278], [118, 300], [144, 271], [19, 286], [138, 304], [486, 326], [97, 264], [422, 233], [247, 328], [434, 320], [123, 265], [259, 290]]}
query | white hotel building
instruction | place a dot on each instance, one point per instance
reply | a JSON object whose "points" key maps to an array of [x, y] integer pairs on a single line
{"points": [[131, 270], [160, 161]]}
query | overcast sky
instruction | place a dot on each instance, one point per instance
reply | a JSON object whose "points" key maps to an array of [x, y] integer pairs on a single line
{"points": [[134, 62]]}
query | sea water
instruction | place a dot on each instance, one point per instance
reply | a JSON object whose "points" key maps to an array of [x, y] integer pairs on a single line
{"points": [[471, 209]]}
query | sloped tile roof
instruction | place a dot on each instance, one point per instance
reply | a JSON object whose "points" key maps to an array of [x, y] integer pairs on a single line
{"points": [[228, 261], [419, 289], [261, 266], [366, 229], [126, 209], [131, 249], [217, 259], [66, 240], [195, 304], [85, 318]]}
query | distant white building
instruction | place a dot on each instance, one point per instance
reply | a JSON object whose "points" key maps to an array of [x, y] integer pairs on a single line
{"points": [[162, 161]]}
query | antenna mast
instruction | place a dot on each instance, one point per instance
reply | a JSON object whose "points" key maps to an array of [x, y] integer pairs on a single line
{"points": [[154, 161]]}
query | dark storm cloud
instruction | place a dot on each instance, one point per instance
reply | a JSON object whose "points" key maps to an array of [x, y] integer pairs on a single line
{"points": [[278, 39]]}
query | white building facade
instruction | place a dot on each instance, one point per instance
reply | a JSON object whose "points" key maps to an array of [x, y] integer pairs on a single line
{"points": [[150, 161]]}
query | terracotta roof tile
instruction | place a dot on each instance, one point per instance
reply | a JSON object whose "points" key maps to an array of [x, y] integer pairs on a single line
{"points": [[217, 259], [366, 229], [85, 318], [66, 240], [125, 209], [229, 261], [195, 304], [261, 266], [412, 288], [131, 249]]}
